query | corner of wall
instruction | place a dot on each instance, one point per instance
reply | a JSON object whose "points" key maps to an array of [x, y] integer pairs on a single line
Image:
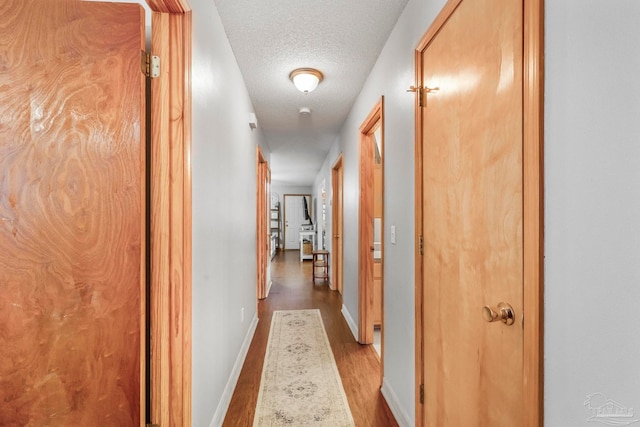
{"points": [[353, 326], [394, 404], [225, 400]]}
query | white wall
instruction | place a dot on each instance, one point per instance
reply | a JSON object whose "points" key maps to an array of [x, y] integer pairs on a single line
{"points": [[391, 76], [224, 213], [592, 206], [281, 190]]}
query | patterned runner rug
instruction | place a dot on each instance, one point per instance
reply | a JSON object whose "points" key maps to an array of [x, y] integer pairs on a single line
{"points": [[300, 381]]}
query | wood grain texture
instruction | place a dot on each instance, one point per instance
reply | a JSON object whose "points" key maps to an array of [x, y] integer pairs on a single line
{"points": [[337, 223], [358, 364], [377, 293], [71, 203], [171, 222], [365, 223], [472, 215], [533, 209], [263, 235], [177, 7]]}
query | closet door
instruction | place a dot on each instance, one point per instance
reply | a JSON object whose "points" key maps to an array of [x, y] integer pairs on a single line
{"points": [[72, 196]]}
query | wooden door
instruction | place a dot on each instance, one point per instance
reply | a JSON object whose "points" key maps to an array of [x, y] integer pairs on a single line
{"points": [[72, 235], [337, 178], [263, 232], [370, 295], [472, 155], [378, 220]]}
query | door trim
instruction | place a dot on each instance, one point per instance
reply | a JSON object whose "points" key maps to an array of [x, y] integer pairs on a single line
{"points": [[171, 216], [533, 209], [337, 222], [365, 225], [262, 229]]}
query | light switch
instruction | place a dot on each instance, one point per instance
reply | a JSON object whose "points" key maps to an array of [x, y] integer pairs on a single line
{"points": [[393, 234]]}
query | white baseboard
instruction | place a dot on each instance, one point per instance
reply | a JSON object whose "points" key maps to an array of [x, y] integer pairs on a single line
{"points": [[225, 400], [353, 326], [269, 288], [394, 404]]}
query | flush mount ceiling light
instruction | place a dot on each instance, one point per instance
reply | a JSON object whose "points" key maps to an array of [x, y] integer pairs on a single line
{"points": [[306, 79]]}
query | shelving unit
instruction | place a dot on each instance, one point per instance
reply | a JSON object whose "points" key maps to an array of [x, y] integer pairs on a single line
{"points": [[309, 237], [276, 229]]}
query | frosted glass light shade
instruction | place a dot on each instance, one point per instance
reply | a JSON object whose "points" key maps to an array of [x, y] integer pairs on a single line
{"points": [[306, 79]]}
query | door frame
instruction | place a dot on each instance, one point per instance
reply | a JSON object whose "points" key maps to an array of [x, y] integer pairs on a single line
{"points": [[365, 225], [263, 235], [533, 209], [337, 222], [171, 216]]}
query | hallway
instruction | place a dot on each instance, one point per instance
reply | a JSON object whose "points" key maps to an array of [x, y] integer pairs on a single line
{"points": [[358, 365]]}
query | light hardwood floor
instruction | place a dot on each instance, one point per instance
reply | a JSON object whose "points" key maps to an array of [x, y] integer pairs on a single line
{"points": [[359, 365]]}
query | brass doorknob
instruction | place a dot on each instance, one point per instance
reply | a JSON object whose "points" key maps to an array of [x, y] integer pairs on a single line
{"points": [[504, 312]]}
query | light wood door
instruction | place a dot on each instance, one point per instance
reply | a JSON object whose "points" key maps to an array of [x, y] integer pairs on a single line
{"points": [[263, 232], [472, 216], [337, 178], [72, 239], [370, 224]]}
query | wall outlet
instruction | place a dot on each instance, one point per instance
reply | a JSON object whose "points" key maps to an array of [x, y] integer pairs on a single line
{"points": [[393, 234], [242, 315]]}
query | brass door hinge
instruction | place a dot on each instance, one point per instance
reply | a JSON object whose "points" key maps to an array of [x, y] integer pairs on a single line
{"points": [[149, 64], [422, 394], [421, 245]]}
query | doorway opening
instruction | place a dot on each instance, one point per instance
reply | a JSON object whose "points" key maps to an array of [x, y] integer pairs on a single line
{"points": [[371, 225], [263, 229], [337, 179]]}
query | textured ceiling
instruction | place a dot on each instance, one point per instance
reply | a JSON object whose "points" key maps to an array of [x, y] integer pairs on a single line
{"points": [[270, 38]]}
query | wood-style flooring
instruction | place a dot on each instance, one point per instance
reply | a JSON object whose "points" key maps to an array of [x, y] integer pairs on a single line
{"points": [[359, 365]]}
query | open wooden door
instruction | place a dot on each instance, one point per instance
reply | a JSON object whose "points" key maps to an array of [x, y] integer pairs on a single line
{"points": [[370, 259], [263, 232], [479, 213], [72, 204]]}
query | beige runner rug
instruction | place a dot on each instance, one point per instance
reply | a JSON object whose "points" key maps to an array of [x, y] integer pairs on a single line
{"points": [[300, 381]]}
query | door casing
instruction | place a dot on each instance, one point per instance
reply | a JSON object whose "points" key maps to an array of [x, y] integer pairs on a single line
{"points": [[171, 215], [365, 255], [533, 245], [337, 223], [263, 235]]}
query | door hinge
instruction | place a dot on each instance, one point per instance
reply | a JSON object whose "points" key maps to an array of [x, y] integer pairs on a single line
{"points": [[420, 245], [149, 64], [422, 394]]}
